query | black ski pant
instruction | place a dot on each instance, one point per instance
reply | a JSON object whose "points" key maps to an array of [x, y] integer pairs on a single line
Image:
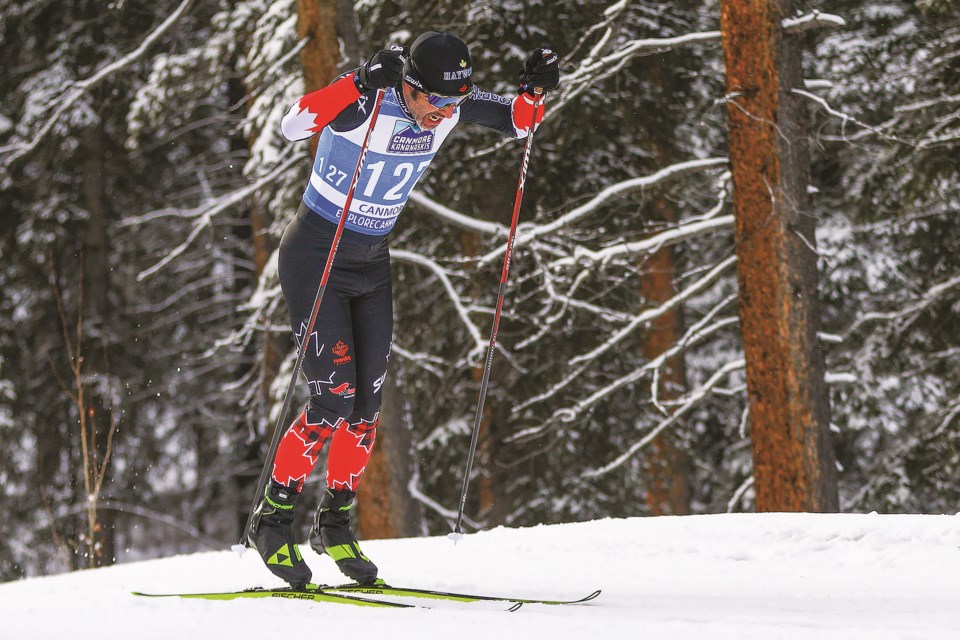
{"points": [[346, 360]]}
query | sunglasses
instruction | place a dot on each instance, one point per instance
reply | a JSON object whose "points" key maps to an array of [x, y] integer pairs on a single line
{"points": [[441, 102]]}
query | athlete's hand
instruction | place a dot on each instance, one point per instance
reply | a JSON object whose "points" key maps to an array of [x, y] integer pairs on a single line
{"points": [[540, 71], [382, 70]]}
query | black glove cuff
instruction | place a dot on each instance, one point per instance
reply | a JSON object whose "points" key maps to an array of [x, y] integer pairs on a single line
{"points": [[358, 81]]}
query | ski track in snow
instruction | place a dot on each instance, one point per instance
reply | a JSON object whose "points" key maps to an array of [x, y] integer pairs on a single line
{"points": [[714, 577]]}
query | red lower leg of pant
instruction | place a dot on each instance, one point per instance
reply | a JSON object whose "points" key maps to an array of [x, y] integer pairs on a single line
{"points": [[349, 454], [299, 450]]}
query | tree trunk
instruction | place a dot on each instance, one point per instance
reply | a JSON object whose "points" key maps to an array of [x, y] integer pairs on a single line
{"points": [[667, 463], [789, 412], [317, 20], [320, 58]]}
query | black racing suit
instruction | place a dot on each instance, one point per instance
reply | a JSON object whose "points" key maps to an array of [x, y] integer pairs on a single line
{"points": [[346, 360]]}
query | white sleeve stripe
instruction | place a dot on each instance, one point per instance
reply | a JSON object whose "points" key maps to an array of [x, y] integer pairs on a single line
{"points": [[298, 123]]}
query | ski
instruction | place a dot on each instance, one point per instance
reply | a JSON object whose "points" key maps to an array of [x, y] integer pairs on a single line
{"points": [[338, 595], [311, 593], [383, 589], [358, 594]]}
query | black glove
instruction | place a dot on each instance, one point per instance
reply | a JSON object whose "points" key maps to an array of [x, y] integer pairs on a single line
{"points": [[382, 70], [541, 70]]}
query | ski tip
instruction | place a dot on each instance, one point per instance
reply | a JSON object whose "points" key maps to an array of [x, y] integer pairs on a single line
{"points": [[239, 549], [515, 606], [592, 596]]}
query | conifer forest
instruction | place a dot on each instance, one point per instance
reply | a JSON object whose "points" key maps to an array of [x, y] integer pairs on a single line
{"points": [[732, 286]]}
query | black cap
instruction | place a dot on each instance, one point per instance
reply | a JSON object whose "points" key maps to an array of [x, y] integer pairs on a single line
{"points": [[439, 63]]}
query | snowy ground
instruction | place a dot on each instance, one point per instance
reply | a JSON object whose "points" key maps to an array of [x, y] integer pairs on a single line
{"points": [[763, 576]]}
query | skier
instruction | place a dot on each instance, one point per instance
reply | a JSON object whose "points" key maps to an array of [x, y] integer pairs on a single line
{"points": [[427, 92]]}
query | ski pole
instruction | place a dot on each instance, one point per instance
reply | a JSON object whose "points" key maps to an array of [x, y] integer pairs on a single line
{"points": [[496, 316], [288, 397]]}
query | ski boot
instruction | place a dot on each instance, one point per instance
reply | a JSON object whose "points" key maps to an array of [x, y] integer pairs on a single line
{"points": [[331, 535], [271, 534]]}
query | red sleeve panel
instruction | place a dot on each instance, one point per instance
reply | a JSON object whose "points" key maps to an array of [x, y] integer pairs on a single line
{"points": [[523, 114], [317, 109]]}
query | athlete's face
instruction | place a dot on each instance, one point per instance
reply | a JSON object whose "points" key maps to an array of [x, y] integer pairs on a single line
{"points": [[425, 114]]}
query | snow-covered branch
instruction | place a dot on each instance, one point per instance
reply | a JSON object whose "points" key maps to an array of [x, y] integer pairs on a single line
{"points": [[77, 89], [836, 378], [456, 218], [649, 245], [844, 118], [815, 20], [739, 493], [651, 314], [688, 402], [205, 216], [934, 294], [596, 67], [413, 487], [463, 313], [697, 332], [592, 67], [694, 227], [926, 104], [425, 361], [672, 172], [564, 302]]}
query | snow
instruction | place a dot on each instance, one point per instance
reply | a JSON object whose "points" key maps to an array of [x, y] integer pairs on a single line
{"points": [[736, 576]]}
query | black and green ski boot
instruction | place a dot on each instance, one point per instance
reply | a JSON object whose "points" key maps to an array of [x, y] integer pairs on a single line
{"points": [[271, 534], [331, 535]]}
